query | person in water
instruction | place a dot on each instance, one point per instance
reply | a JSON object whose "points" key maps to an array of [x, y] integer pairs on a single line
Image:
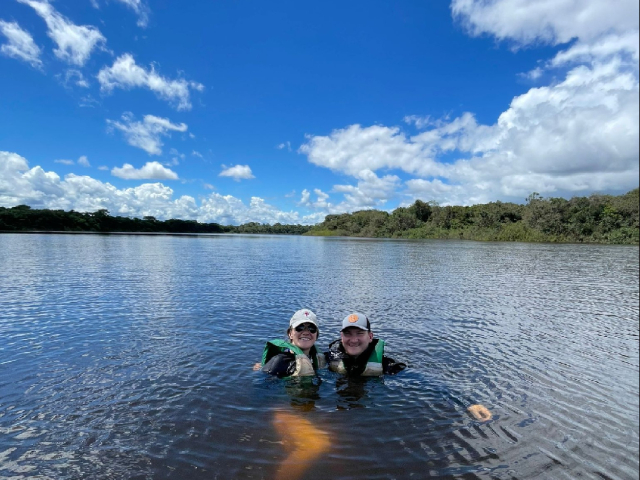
{"points": [[296, 356], [357, 352]]}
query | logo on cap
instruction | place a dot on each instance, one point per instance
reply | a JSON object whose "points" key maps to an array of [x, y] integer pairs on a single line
{"points": [[353, 318]]}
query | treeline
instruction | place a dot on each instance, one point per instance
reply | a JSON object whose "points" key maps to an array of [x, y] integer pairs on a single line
{"points": [[593, 219], [23, 218]]}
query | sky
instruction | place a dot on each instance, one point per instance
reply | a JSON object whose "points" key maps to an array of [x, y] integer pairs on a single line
{"points": [[285, 112]]}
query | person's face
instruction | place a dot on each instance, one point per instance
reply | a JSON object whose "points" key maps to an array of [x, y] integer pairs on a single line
{"points": [[355, 340], [304, 336]]}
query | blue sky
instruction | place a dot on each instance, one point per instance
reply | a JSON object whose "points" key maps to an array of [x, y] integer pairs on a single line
{"points": [[238, 111]]}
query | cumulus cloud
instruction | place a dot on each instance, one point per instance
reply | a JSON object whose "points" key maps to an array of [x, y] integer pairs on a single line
{"points": [[74, 42], [146, 134], [20, 184], [557, 22], [284, 145], [320, 204], [237, 172], [125, 74], [419, 121], [21, 45], [371, 191], [575, 136], [227, 209], [150, 171], [140, 8]]}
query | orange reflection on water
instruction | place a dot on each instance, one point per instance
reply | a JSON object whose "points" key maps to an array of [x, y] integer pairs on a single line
{"points": [[302, 440]]}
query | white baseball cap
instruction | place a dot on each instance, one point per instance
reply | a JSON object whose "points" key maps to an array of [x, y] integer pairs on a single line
{"points": [[303, 316]]}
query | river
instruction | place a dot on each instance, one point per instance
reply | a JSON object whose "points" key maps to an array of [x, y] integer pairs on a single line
{"points": [[129, 356]]}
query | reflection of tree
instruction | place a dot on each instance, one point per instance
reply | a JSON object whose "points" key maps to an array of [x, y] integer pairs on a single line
{"points": [[303, 391], [351, 390]]}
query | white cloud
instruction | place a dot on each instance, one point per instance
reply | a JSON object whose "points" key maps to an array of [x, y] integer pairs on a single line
{"points": [[20, 184], [554, 22], [196, 154], [88, 101], [226, 209], [75, 77], [534, 74], [175, 152], [83, 161], [354, 148], [600, 49], [575, 136], [140, 8], [150, 171], [284, 145], [305, 197], [21, 44], [74, 42], [320, 203], [146, 134], [125, 74], [237, 172], [419, 121], [370, 192], [65, 162]]}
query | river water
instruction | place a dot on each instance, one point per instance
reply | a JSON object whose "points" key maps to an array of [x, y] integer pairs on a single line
{"points": [[129, 356]]}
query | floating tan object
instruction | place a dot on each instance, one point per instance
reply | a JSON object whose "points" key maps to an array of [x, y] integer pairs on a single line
{"points": [[302, 440], [480, 412]]}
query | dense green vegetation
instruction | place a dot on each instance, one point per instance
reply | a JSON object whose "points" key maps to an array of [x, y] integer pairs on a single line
{"points": [[594, 219], [23, 218]]}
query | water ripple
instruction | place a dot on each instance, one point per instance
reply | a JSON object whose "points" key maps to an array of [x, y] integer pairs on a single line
{"points": [[130, 357]]}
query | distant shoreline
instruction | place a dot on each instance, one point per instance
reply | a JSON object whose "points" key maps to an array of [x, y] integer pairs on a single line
{"points": [[597, 219]]}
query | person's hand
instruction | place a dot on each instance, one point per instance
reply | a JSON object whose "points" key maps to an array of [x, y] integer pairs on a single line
{"points": [[257, 366], [480, 412]]}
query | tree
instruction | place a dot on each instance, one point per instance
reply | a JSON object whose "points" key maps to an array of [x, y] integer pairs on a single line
{"points": [[421, 210]]}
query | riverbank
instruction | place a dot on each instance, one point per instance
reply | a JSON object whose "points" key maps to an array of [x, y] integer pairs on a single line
{"points": [[598, 219]]}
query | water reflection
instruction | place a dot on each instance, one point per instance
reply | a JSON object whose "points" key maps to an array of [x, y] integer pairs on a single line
{"points": [[125, 357], [351, 390]]}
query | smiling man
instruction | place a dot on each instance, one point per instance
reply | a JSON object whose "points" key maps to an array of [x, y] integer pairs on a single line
{"points": [[358, 353]]}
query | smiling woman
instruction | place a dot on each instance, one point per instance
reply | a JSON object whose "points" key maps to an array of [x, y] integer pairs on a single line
{"points": [[296, 356]]}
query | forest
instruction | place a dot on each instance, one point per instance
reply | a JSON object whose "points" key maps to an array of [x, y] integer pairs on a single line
{"points": [[23, 218], [595, 219]]}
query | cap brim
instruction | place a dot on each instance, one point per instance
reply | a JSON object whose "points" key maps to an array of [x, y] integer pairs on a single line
{"points": [[354, 326], [301, 321]]}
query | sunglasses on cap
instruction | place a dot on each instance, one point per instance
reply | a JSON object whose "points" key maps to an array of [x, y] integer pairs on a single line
{"points": [[306, 326]]}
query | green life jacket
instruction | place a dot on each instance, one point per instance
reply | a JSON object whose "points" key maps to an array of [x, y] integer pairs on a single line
{"points": [[305, 366], [374, 362]]}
